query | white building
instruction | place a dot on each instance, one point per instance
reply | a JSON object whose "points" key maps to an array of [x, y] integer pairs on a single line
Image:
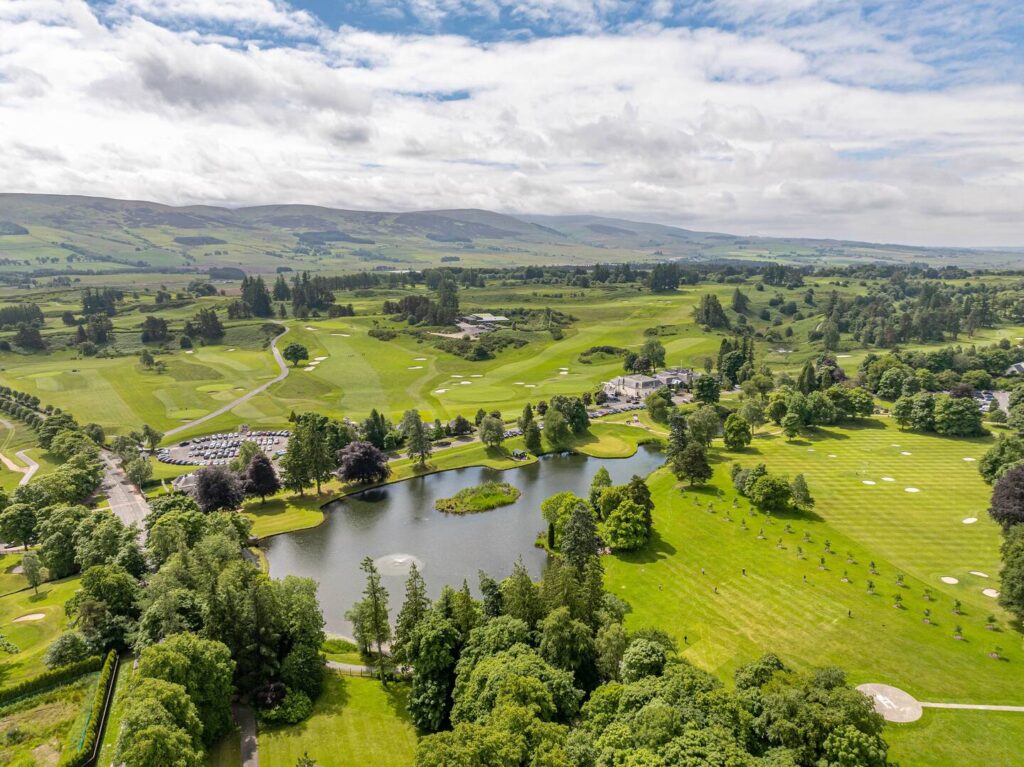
{"points": [[673, 377], [1017, 368], [632, 386]]}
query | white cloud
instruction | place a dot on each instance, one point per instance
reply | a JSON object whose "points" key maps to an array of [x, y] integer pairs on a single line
{"points": [[706, 128]]}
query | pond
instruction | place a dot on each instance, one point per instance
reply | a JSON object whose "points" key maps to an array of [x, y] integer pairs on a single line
{"points": [[396, 524]]}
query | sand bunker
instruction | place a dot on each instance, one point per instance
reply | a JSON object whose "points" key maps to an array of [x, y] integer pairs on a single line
{"points": [[979, 574], [440, 391], [842, 356], [893, 445], [991, 593], [343, 335], [832, 455], [888, 479], [454, 375], [190, 351], [477, 375], [949, 579], [310, 328], [319, 359], [531, 386], [519, 383], [905, 452], [230, 350], [969, 460], [563, 372], [419, 359], [869, 482], [415, 367], [911, 490], [810, 450], [30, 617], [465, 383], [310, 368], [970, 520]]}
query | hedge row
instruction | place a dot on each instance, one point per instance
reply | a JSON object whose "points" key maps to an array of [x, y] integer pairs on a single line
{"points": [[84, 754], [48, 679]]}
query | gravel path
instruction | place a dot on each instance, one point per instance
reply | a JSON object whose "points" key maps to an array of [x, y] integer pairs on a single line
{"points": [[282, 366], [29, 469]]}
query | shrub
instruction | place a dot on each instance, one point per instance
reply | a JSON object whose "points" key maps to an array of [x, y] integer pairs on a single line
{"points": [[295, 707], [83, 754], [48, 679]]}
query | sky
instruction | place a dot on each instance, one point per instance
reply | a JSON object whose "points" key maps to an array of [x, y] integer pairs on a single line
{"points": [[886, 121]]}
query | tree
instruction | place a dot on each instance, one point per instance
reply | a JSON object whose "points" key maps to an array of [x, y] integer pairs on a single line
{"points": [[416, 438], [1007, 504], [260, 478], [654, 351], [703, 425], [204, 668], [18, 524], [313, 456], [139, 470], [791, 424], [375, 599], [601, 480], [1011, 594], [751, 410], [151, 436], [217, 487], [159, 727], [659, 405], [69, 647], [771, 494], [414, 609], [737, 433], [295, 353], [625, 529], [678, 437], [520, 596], [957, 416], [492, 431], [1006, 452], [903, 411], [579, 537], [641, 659], [433, 651], [706, 389], [34, 571], [568, 644], [531, 438], [556, 429], [802, 498], [362, 462], [709, 312], [692, 465]]}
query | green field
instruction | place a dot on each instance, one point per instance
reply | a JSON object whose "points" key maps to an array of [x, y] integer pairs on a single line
{"points": [[824, 620], [355, 722], [32, 636]]}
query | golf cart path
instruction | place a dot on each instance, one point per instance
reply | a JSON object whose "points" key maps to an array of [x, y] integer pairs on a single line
{"points": [[282, 366], [973, 707], [29, 469], [246, 722], [896, 705]]}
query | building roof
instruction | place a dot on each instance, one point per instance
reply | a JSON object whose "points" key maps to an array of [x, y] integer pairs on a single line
{"points": [[638, 380], [486, 317]]}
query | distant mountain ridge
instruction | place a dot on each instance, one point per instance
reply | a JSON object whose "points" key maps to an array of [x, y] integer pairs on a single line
{"points": [[47, 229]]}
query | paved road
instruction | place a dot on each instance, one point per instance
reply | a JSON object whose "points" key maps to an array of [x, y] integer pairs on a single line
{"points": [[30, 467], [126, 501], [247, 726], [896, 705], [282, 366], [974, 707]]}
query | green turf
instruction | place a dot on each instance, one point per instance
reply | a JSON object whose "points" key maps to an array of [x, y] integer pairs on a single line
{"points": [[32, 637], [958, 739], [355, 722], [824, 620]]}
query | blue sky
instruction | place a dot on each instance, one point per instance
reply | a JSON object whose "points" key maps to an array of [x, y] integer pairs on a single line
{"points": [[896, 121]]}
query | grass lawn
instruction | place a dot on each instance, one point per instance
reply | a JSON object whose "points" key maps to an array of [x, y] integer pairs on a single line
{"points": [[285, 513], [355, 722], [944, 738], [9, 580], [32, 637], [342, 651], [226, 752], [48, 724], [824, 620]]}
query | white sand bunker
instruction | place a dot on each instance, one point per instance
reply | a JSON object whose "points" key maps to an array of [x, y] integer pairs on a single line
{"points": [[563, 372], [419, 359], [991, 593], [519, 383], [969, 460], [415, 367], [888, 479], [531, 386], [970, 520], [397, 564], [894, 444], [30, 617], [810, 450], [454, 375], [310, 368], [477, 375], [310, 328], [979, 574], [465, 383], [230, 350], [949, 579], [869, 481], [905, 452], [319, 359], [842, 356], [343, 335], [440, 391], [832, 455], [190, 351], [911, 490]]}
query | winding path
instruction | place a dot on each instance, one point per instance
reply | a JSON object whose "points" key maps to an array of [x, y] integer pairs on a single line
{"points": [[29, 469], [282, 366]]}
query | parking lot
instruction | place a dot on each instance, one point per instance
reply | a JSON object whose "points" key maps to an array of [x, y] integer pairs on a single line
{"points": [[221, 449]]}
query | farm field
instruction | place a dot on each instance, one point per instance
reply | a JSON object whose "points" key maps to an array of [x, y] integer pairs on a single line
{"points": [[690, 580], [355, 722]]}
